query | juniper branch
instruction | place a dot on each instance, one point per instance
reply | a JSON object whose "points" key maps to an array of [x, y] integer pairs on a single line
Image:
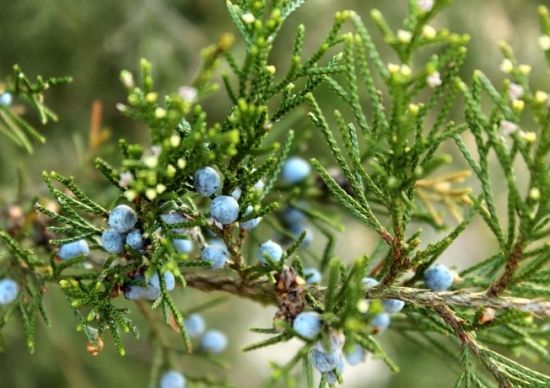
{"points": [[263, 291]]}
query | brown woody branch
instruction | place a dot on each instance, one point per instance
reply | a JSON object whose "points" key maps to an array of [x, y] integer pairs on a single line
{"points": [[468, 340], [263, 292], [512, 265]]}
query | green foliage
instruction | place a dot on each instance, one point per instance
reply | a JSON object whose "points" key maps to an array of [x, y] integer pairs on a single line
{"points": [[387, 135], [12, 125]]}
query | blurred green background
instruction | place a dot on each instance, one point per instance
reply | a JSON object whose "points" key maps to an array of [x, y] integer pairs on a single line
{"points": [[93, 41]]}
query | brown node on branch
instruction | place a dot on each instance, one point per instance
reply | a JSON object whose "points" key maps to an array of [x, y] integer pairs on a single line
{"points": [[290, 289]]}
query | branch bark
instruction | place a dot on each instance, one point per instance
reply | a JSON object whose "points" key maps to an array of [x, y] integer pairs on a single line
{"points": [[263, 291]]}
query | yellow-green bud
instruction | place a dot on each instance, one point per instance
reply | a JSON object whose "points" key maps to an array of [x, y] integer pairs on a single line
{"points": [[130, 195], [429, 32], [393, 68], [506, 66], [534, 193], [544, 42], [160, 188], [404, 36], [524, 69], [151, 194], [541, 97], [175, 140], [151, 97], [518, 105], [160, 113]]}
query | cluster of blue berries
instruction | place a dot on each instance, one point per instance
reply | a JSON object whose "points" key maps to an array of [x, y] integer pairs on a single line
{"points": [[381, 321], [436, 278], [122, 220], [328, 359], [224, 210], [152, 290], [8, 291], [212, 341], [325, 357]]}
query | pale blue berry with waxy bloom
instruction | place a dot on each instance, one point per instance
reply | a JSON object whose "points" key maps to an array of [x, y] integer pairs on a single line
{"points": [[73, 249], [369, 282], [333, 343], [250, 224], [215, 255], [219, 243], [169, 280], [206, 181], [258, 185], [324, 362], [112, 241], [356, 356], [174, 217], [381, 322], [122, 218], [172, 379], [438, 278], [295, 170], [183, 245], [134, 238], [213, 341], [224, 209], [312, 275], [340, 366], [307, 324], [6, 99], [194, 325], [150, 293], [135, 291], [8, 291], [392, 306], [270, 249]]}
